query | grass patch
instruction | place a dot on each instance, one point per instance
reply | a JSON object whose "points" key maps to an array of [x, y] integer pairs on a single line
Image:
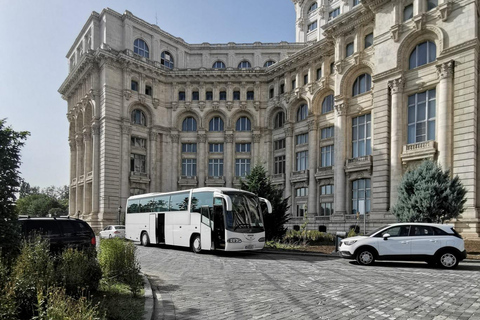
{"points": [[117, 302]]}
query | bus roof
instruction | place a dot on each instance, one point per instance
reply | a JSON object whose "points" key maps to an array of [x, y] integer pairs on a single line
{"points": [[212, 189]]}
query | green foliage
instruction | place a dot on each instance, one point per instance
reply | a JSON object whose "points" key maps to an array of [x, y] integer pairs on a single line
{"points": [[55, 304], [26, 190], [351, 233], [10, 144], [259, 183], [311, 237], [37, 205], [118, 262], [118, 303], [428, 194], [78, 271]]}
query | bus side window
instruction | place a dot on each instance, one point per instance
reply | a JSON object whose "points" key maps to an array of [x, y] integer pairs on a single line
{"points": [[179, 201], [161, 203], [205, 211], [133, 206]]}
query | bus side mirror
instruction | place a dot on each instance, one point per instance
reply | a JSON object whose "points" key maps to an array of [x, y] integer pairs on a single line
{"points": [[269, 205]]}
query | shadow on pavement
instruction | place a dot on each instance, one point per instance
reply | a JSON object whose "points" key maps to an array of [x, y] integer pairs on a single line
{"points": [[463, 266]]}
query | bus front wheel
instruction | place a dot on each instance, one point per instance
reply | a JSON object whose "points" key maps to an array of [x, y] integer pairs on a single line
{"points": [[144, 240], [196, 244]]}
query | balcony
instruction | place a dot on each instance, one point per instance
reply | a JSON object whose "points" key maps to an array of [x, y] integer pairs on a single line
{"points": [[419, 151], [190, 181], [358, 164], [278, 178], [324, 173], [299, 176], [215, 181], [139, 177], [89, 176]]}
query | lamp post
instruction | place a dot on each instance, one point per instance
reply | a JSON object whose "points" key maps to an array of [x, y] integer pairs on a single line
{"points": [[119, 213]]}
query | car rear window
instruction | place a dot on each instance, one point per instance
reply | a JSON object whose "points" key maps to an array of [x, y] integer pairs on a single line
{"points": [[119, 228], [439, 232], [67, 227], [43, 227]]}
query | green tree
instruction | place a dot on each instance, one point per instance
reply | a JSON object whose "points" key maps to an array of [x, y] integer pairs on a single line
{"points": [[259, 183], [26, 189], [10, 144], [428, 194], [37, 205]]}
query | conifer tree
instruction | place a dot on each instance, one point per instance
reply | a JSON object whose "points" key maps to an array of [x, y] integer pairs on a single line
{"points": [[428, 194]]}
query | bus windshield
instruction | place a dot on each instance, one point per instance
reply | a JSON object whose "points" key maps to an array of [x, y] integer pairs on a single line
{"points": [[245, 215]]}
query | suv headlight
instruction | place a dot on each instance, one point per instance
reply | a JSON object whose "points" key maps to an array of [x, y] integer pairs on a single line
{"points": [[349, 242]]}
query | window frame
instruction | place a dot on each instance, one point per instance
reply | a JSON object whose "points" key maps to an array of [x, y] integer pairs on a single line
{"points": [[139, 118], [358, 88], [168, 63], [302, 112], [244, 64], [219, 65], [189, 167], [328, 104], [430, 45], [137, 48], [216, 124], [362, 147], [430, 122], [187, 126], [243, 124]]}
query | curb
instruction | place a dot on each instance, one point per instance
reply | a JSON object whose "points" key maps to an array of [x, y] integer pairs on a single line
{"points": [[149, 303], [302, 253]]}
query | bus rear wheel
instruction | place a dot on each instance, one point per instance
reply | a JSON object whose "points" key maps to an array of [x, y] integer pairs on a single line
{"points": [[196, 245], [144, 240]]}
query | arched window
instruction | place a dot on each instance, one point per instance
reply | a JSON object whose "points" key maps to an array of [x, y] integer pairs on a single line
{"points": [[268, 63], [302, 112], [243, 124], [189, 124], [314, 6], [244, 65], [218, 65], [279, 120], [327, 104], [349, 49], [368, 40], [423, 53], [167, 60], [140, 48], [138, 117], [362, 84], [216, 124]]}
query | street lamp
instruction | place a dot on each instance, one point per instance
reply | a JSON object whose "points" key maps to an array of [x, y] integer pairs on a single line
{"points": [[119, 213]]}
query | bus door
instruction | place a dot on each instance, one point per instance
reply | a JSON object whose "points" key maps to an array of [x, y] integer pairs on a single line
{"points": [[206, 228], [152, 231], [218, 230]]}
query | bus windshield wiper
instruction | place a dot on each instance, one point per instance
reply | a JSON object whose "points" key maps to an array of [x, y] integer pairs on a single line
{"points": [[242, 225]]}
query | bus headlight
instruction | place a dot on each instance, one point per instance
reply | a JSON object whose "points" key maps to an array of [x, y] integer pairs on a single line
{"points": [[261, 239], [234, 240]]}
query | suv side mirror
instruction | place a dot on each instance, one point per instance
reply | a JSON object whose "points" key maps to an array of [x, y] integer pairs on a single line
{"points": [[386, 236]]}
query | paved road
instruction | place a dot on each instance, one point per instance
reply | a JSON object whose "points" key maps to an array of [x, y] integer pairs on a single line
{"points": [[279, 286]]}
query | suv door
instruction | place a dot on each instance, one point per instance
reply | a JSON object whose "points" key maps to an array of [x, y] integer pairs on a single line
{"points": [[424, 241], [398, 244]]}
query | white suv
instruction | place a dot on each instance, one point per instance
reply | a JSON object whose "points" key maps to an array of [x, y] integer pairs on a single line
{"points": [[434, 243]]}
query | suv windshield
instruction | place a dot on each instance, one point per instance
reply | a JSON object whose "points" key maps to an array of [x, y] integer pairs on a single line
{"points": [[245, 215]]}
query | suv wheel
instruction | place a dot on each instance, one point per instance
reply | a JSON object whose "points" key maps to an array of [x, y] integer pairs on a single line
{"points": [[447, 260], [144, 240], [365, 256]]}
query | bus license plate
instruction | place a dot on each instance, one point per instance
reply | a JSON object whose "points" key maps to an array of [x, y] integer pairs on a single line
{"points": [[250, 246]]}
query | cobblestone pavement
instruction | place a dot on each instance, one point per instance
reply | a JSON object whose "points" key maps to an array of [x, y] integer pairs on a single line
{"points": [[218, 285]]}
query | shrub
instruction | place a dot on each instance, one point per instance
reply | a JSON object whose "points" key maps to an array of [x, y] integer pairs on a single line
{"points": [[55, 304], [78, 271], [351, 233], [7, 301], [308, 237], [118, 263]]}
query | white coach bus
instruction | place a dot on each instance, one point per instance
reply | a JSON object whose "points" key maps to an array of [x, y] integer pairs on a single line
{"points": [[202, 218]]}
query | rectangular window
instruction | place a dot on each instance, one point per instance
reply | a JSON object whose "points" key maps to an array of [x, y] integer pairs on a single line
{"points": [[301, 138], [195, 95], [301, 192], [189, 147], [242, 167], [271, 93], [333, 14], [294, 84], [181, 95], [138, 142], [189, 167], [368, 40], [236, 95], [242, 147], [326, 189], [301, 209], [279, 144], [250, 95], [361, 136], [332, 68], [327, 156], [421, 116], [312, 26], [319, 73], [349, 49], [223, 95], [215, 167], [215, 147], [282, 88], [326, 209], [305, 79], [327, 133], [209, 95], [408, 12], [137, 163], [279, 164], [361, 196], [302, 161], [134, 85], [148, 90]]}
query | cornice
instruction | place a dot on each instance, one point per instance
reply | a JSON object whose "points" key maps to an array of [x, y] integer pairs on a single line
{"points": [[348, 21], [374, 5], [79, 72]]}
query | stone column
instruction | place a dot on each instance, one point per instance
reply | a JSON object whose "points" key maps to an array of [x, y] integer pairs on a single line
{"points": [[175, 161], [154, 179], [201, 138], [312, 168], [73, 174], [96, 167], [340, 155], [289, 161], [444, 114], [256, 157], [79, 165], [396, 137], [228, 161], [87, 192], [125, 163]]}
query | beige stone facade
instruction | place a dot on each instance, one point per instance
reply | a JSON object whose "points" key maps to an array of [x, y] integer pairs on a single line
{"points": [[369, 88]]}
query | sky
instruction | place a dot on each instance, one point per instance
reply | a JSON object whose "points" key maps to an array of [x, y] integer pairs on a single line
{"points": [[36, 36]]}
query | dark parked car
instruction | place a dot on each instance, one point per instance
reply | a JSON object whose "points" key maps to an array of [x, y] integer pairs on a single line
{"points": [[61, 232]]}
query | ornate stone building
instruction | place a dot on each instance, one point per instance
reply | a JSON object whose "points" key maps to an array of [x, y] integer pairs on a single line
{"points": [[369, 88]]}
